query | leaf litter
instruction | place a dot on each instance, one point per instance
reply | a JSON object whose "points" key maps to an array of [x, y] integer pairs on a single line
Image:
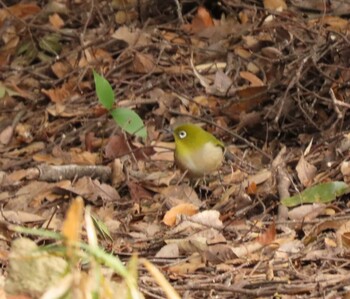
{"points": [[268, 78]]}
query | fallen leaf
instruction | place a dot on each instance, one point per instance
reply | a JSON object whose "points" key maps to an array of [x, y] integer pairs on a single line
{"points": [[181, 209], [164, 151], [200, 21], [253, 79], [116, 147], [93, 190], [343, 235], [249, 98], [143, 63], [247, 248], [321, 193], [62, 94], [307, 212], [118, 176], [6, 135], [56, 21], [137, 192], [306, 171], [177, 194], [278, 5], [134, 38], [61, 69], [20, 10], [219, 253], [188, 266], [251, 189], [268, 236], [168, 251], [20, 217]]}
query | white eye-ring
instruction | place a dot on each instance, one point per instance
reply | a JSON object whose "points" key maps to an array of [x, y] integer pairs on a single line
{"points": [[182, 134]]}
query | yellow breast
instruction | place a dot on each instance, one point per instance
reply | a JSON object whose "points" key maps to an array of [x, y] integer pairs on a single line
{"points": [[201, 162]]}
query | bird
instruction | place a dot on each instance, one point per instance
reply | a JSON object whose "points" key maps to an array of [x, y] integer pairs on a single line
{"points": [[197, 152]]}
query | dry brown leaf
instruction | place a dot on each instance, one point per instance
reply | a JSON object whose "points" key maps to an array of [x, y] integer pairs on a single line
{"points": [[307, 212], [169, 251], [62, 94], [343, 235], [20, 10], [56, 21], [118, 176], [132, 38], [278, 5], [173, 37], [164, 151], [93, 190], [19, 217], [61, 69], [116, 147], [260, 177], [272, 52], [137, 192], [24, 133], [66, 110], [249, 98], [326, 225], [199, 237], [150, 230], [208, 218], [247, 248], [306, 172], [11, 40], [18, 175], [33, 194], [222, 84], [268, 236], [181, 209], [200, 21], [188, 266], [47, 158], [336, 23], [143, 63], [219, 253], [345, 170], [80, 157], [242, 52], [252, 188], [287, 248], [253, 79], [177, 194], [29, 149], [74, 156], [6, 135], [93, 56]]}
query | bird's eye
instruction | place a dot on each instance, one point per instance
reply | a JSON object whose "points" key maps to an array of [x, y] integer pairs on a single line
{"points": [[182, 134]]}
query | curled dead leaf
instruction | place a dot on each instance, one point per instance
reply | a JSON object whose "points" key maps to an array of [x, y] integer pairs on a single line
{"points": [[200, 21], [181, 209]]}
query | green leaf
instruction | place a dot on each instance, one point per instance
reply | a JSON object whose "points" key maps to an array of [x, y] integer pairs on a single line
{"points": [[51, 43], [4, 90], [129, 121], [104, 91], [101, 228], [26, 53], [324, 193]]}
